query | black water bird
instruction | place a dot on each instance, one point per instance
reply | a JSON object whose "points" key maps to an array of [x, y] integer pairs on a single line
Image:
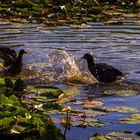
{"points": [[12, 60], [102, 71]]}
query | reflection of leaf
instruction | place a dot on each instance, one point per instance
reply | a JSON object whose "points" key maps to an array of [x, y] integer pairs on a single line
{"points": [[135, 119]]}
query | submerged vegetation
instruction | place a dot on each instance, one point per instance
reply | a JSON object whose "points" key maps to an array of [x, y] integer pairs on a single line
{"points": [[61, 12]]}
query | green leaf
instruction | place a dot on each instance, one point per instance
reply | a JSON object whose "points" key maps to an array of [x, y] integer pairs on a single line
{"points": [[47, 91], [5, 122], [8, 83], [5, 100], [2, 82], [5, 114], [19, 85], [15, 100], [96, 123], [17, 129], [121, 109], [122, 92], [135, 119], [52, 106]]}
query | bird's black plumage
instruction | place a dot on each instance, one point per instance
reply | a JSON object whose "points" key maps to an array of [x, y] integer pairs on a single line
{"points": [[102, 71], [12, 60]]}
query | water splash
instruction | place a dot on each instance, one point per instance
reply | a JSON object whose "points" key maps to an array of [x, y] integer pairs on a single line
{"points": [[60, 67]]}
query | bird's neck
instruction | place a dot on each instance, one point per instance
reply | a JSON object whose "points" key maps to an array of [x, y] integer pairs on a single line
{"points": [[19, 57], [90, 63]]}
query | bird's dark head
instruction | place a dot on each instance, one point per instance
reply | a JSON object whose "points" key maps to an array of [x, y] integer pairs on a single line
{"points": [[89, 58], [23, 51]]}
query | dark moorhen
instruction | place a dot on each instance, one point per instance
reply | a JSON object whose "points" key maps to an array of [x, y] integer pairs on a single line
{"points": [[102, 71], [12, 61]]}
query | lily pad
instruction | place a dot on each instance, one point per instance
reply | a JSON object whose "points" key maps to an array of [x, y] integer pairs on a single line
{"points": [[121, 109], [88, 103], [121, 92], [135, 119], [93, 103], [115, 136], [70, 95], [47, 91], [17, 129]]}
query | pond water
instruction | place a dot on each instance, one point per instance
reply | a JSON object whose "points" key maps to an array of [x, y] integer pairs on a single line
{"points": [[117, 45]]}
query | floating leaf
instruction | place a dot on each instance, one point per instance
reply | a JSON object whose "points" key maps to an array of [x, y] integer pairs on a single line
{"points": [[135, 119], [96, 123], [17, 129], [122, 92], [93, 103], [121, 109], [52, 106], [47, 91], [115, 136]]}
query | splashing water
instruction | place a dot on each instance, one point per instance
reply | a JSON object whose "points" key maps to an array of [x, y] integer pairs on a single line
{"points": [[60, 67]]}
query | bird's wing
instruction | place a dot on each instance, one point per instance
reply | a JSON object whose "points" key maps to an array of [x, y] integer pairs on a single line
{"points": [[7, 59], [105, 67], [9, 52]]}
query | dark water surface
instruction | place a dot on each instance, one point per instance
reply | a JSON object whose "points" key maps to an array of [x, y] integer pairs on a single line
{"points": [[118, 45]]}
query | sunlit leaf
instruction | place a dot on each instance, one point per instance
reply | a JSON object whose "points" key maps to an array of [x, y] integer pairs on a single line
{"points": [[2, 82], [48, 91], [93, 103], [121, 109], [135, 119], [122, 92], [17, 129]]}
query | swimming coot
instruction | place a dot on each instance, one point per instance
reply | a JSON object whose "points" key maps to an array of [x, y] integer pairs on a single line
{"points": [[102, 71], [12, 60]]}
